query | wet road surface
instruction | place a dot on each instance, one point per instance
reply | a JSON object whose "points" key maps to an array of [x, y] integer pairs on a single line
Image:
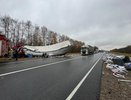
{"points": [[51, 78]]}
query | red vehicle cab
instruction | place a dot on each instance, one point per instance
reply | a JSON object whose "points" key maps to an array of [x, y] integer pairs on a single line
{"points": [[4, 45]]}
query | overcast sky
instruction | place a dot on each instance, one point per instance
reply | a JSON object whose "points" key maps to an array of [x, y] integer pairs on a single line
{"points": [[104, 23]]}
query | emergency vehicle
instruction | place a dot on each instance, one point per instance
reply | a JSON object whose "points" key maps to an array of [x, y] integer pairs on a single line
{"points": [[4, 45]]}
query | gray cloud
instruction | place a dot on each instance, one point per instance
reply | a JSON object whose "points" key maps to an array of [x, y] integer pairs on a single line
{"points": [[105, 23]]}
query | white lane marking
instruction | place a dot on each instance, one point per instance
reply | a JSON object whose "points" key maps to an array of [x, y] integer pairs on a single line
{"points": [[22, 70], [80, 83]]}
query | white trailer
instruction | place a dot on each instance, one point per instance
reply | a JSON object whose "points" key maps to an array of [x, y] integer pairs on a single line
{"points": [[51, 50]]}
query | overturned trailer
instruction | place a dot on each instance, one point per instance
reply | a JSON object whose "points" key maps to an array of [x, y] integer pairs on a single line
{"points": [[50, 50]]}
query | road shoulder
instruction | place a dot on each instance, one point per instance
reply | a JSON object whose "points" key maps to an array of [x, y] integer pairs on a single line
{"points": [[112, 89], [90, 89]]}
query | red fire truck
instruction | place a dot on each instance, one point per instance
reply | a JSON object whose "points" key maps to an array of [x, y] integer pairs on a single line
{"points": [[4, 45]]}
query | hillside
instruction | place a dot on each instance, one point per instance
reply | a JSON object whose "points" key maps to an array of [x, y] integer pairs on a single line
{"points": [[123, 50]]}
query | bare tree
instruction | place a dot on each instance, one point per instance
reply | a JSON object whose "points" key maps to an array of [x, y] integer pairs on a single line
{"points": [[5, 24], [28, 28], [48, 37], [23, 30], [37, 39], [18, 33], [63, 38], [53, 38], [13, 32], [44, 32]]}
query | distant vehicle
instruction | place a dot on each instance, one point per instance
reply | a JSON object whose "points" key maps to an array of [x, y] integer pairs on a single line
{"points": [[50, 50], [87, 50]]}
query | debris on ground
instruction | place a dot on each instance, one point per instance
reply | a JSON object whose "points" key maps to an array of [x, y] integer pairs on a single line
{"points": [[117, 64], [116, 79]]}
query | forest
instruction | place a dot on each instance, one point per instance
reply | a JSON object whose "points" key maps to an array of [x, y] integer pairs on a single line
{"points": [[25, 33]]}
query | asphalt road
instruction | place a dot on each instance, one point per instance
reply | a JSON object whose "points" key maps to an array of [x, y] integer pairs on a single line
{"points": [[62, 78]]}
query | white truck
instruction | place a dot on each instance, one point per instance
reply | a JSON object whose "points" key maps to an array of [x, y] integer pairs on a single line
{"points": [[87, 50]]}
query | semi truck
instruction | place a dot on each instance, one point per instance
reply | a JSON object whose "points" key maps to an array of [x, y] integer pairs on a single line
{"points": [[87, 50]]}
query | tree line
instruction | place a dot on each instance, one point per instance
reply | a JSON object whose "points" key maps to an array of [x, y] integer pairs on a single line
{"points": [[123, 50], [25, 33]]}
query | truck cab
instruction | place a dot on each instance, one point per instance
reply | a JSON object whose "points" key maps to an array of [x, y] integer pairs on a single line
{"points": [[84, 51]]}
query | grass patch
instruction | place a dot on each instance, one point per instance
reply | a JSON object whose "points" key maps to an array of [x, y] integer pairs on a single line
{"points": [[5, 60], [2, 60], [126, 54]]}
